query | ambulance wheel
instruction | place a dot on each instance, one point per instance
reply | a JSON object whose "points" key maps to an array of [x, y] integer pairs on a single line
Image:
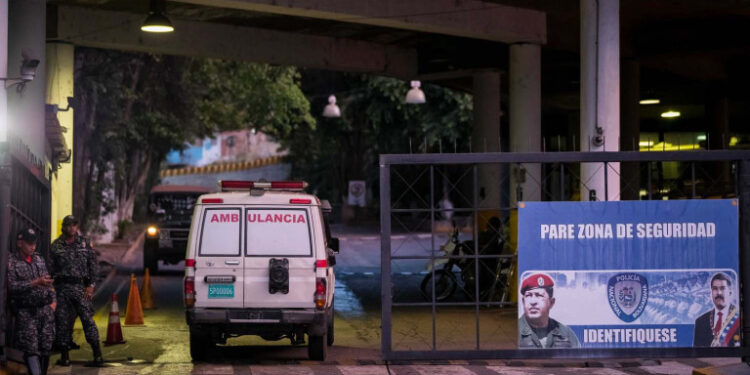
{"points": [[317, 348], [200, 344], [329, 341]]}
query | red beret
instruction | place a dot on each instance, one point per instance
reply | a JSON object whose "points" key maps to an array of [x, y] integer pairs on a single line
{"points": [[537, 280]]}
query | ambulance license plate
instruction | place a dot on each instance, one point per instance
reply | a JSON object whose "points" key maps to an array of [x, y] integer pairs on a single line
{"points": [[220, 291]]}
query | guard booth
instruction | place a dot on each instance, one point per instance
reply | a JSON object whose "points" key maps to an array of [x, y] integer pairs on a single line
{"points": [[632, 278]]}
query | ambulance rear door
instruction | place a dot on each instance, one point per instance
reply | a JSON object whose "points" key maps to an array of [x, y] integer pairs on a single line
{"points": [[219, 276], [280, 234]]}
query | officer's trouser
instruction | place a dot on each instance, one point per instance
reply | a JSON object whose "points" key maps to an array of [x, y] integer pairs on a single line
{"points": [[71, 303]]}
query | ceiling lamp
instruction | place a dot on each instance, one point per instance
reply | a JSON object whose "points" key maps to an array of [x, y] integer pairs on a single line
{"points": [[332, 110], [415, 95], [649, 101], [157, 21], [670, 114]]}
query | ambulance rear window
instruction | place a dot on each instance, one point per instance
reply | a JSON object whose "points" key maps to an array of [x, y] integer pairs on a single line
{"points": [[278, 232], [221, 234]]}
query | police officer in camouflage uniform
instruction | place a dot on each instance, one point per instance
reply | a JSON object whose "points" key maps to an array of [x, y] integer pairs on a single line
{"points": [[535, 328], [74, 267], [32, 298]]}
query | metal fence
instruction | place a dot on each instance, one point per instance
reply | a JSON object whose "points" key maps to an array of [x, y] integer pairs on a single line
{"points": [[29, 205], [475, 320]]}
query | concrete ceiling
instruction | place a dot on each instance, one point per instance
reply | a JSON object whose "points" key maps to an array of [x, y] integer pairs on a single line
{"points": [[687, 48]]}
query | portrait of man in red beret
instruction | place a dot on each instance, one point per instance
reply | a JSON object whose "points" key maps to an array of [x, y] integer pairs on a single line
{"points": [[535, 328]]}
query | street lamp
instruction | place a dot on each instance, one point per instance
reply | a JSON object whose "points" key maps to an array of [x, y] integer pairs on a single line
{"points": [[415, 94], [332, 110], [157, 20]]}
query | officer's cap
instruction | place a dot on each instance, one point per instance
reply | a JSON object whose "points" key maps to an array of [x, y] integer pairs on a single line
{"points": [[27, 235], [69, 220], [537, 280]]}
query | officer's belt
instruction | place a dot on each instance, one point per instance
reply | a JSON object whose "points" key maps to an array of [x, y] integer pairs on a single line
{"points": [[70, 280]]}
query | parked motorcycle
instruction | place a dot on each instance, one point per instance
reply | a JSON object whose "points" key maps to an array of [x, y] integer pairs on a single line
{"points": [[494, 272]]}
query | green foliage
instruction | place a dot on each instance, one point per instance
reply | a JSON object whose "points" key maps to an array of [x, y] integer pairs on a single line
{"points": [[123, 227], [232, 95], [375, 120]]}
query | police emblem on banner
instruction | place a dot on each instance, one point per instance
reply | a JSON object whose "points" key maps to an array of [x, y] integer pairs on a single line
{"points": [[627, 294]]}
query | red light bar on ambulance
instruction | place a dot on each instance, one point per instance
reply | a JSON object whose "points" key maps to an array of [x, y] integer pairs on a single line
{"points": [[233, 185]]}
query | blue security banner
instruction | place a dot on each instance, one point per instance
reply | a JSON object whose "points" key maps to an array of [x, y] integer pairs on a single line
{"points": [[628, 274]]}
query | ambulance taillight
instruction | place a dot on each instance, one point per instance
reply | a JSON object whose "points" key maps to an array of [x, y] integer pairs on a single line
{"points": [[320, 293], [189, 291]]}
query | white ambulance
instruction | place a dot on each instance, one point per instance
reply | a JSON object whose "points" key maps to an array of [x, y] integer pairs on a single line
{"points": [[260, 262]]}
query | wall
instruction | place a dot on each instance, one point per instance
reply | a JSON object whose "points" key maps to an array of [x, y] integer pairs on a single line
{"points": [[244, 145], [60, 60], [274, 172]]}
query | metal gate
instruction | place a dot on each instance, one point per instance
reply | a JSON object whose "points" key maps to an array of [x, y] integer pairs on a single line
{"points": [[24, 203], [475, 321]]}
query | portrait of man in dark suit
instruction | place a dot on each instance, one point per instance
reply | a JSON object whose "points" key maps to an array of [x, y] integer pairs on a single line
{"points": [[720, 325]]}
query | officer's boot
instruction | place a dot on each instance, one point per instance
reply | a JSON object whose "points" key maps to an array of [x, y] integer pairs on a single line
{"points": [[64, 357], [98, 359], [32, 363], [45, 363]]}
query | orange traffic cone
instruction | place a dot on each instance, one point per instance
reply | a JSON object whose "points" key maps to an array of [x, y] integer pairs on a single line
{"points": [[114, 331], [147, 298], [134, 311]]}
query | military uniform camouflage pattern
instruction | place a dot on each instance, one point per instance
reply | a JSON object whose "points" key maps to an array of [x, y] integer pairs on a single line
{"points": [[74, 268], [34, 326], [559, 336]]}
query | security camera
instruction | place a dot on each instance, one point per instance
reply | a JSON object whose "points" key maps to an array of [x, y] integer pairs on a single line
{"points": [[28, 69]]}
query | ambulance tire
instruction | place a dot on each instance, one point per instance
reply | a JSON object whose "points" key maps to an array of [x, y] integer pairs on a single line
{"points": [[317, 348], [149, 258], [200, 344], [329, 341]]}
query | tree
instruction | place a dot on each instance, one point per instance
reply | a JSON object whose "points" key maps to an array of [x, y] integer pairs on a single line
{"points": [[133, 108]]}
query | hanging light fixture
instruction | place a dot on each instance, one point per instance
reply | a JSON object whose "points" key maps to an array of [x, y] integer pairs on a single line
{"points": [[649, 101], [157, 21], [670, 114], [415, 94], [332, 110]]}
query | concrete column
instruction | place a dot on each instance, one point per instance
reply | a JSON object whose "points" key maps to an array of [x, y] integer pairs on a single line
{"points": [[600, 93], [717, 112], [485, 137], [525, 119], [26, 36], [3, 68], [718, 116], [60, 62], [630, 127]]}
